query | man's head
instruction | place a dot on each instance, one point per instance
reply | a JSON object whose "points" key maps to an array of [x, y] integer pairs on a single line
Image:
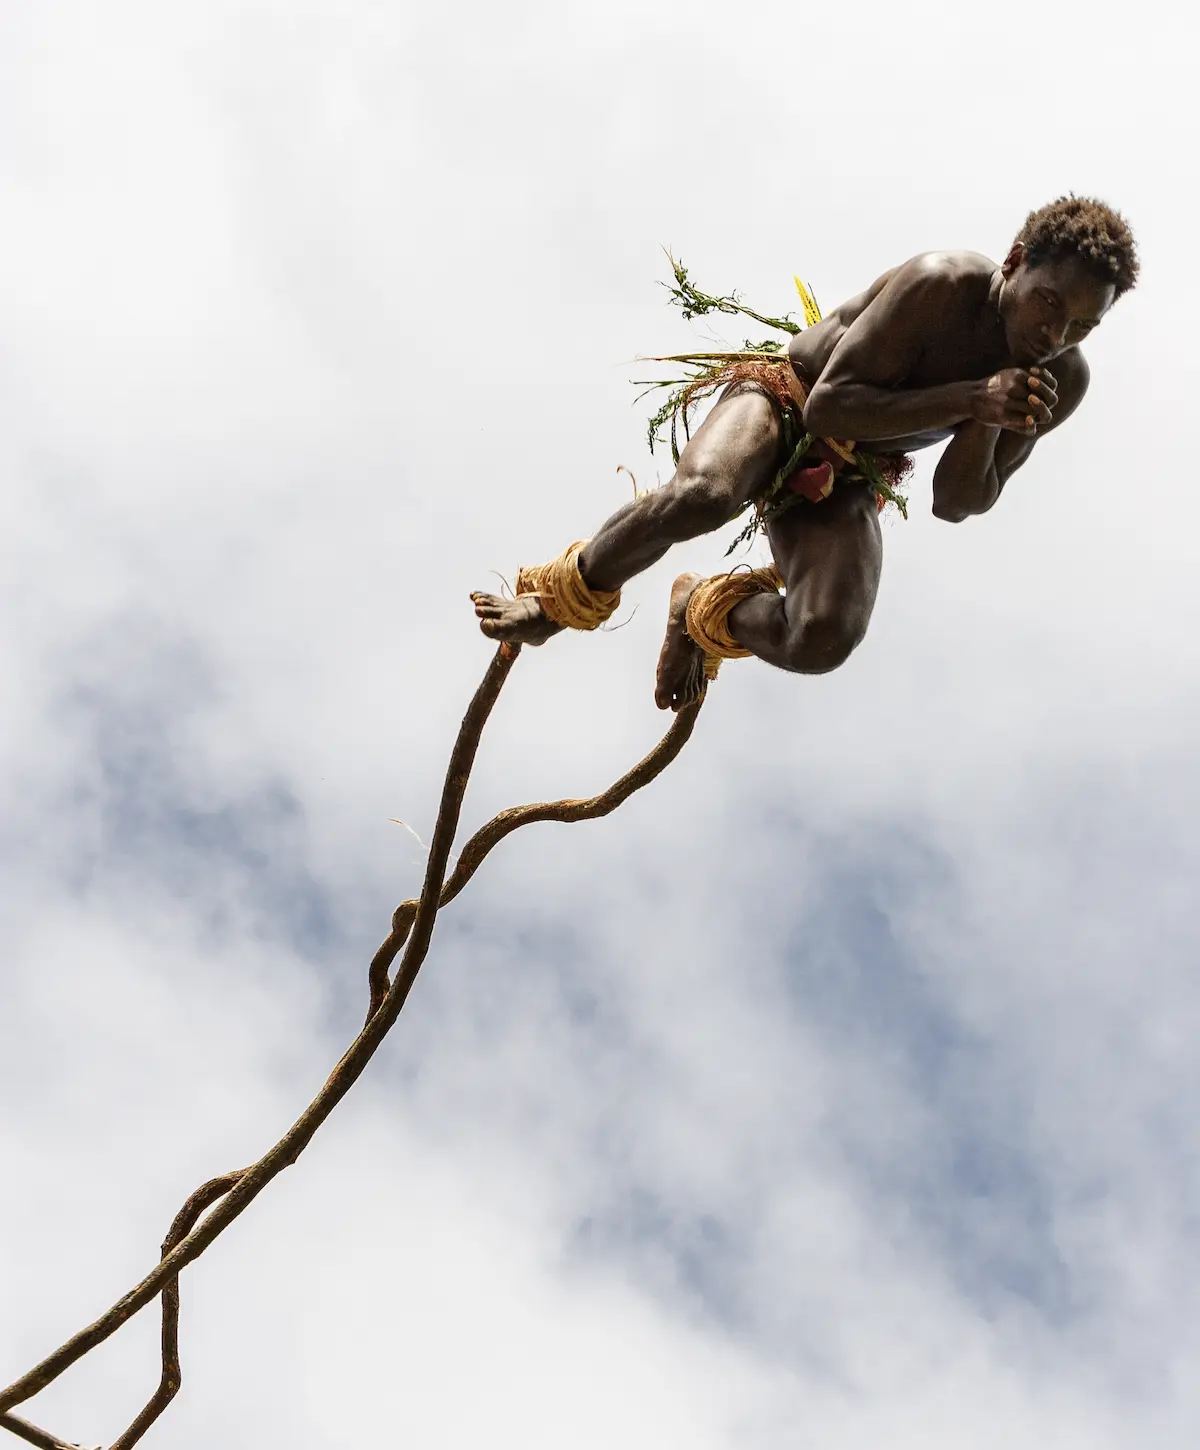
{"points": [[1069, 264]]}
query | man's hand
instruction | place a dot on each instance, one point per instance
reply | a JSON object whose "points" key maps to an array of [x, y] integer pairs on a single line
{"points": [[1019, 399]]}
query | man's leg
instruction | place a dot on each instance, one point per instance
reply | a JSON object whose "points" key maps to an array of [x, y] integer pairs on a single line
{"points": [[830, 556], [731, 457]]}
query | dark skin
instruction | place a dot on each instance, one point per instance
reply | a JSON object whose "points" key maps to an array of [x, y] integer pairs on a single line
{"points": [[948, 348]]}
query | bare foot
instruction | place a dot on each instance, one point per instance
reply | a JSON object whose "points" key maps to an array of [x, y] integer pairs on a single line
{"points": [[681, 660], [516, 621]]}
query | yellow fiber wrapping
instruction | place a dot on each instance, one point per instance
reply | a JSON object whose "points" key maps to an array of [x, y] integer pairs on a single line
{"points": [[564, 597], [709, 608]]}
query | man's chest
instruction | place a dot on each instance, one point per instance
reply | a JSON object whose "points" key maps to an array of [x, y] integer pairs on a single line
{"points": [[952, 354]]}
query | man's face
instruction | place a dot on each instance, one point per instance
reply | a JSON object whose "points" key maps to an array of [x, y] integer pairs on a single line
{"points": [[1050, 307]]}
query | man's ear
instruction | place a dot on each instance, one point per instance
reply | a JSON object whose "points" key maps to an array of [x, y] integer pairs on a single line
{"points": [[1016, 255]]}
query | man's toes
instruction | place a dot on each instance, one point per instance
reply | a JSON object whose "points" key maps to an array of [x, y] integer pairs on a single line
{"points": [[691, 689], [671, 693]]}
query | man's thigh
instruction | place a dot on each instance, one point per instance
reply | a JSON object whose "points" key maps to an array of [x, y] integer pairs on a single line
{"points": [[735, 451], [830, 555]]}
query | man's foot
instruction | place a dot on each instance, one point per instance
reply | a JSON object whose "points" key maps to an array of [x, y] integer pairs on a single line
{"points": [[515, 621], [681, 660]]}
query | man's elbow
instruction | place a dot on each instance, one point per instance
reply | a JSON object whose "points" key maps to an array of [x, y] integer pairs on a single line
{"points": [[820, 412], [950, 513], [957, 505]]}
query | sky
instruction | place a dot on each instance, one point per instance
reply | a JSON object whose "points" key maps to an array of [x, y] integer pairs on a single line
{"points": [[839, 1089]]}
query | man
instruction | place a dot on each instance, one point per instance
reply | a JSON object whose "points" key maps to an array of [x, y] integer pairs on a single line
{"points": [[948, 346]]}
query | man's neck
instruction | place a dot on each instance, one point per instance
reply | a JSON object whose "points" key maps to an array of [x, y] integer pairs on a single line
{"points": [[992, 314]]}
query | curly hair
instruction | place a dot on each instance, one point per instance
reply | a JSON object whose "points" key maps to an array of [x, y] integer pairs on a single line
{"points": [[1087, 228]]}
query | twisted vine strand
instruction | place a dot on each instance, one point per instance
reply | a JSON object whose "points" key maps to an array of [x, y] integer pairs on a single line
{"points": [[214, 1206]]}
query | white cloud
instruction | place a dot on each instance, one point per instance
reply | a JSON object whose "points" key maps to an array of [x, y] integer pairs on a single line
{"points": [[836, 1090]]}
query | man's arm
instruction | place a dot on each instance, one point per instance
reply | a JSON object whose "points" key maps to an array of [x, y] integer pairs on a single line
{"points": [[860, 395], [980, 460]]}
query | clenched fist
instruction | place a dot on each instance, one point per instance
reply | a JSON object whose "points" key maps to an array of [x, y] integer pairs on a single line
{"points": [[1020, 399]]}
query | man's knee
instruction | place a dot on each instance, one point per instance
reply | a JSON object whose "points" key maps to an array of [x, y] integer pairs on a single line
{"points": [[821, 642], [698, 501], [725, 464]]}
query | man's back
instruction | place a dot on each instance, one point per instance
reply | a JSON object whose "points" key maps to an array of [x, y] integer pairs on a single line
{"points": [[927, 322]]}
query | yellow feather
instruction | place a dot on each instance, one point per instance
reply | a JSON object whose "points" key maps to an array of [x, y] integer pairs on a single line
{"points": [[812, 313]]}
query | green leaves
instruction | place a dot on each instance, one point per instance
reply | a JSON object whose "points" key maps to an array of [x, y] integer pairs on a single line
{"points": [[694, 303], [870, 470], [704, 373]]}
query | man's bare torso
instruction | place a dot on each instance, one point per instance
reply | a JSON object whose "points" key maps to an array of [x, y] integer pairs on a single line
{"points": [[963, 340], [947, 348]]}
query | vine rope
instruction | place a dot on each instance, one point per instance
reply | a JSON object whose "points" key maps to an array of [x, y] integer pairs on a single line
{"points": [[215, 1204]]}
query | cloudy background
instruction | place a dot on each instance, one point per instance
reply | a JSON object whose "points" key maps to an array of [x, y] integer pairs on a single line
{"points": [[837, 1092]]}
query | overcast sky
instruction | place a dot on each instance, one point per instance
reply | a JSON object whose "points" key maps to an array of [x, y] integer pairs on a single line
{"points": [[839, 1091]]}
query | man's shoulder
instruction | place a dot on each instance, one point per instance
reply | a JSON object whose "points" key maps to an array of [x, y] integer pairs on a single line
{"points": [[947, 270]]}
